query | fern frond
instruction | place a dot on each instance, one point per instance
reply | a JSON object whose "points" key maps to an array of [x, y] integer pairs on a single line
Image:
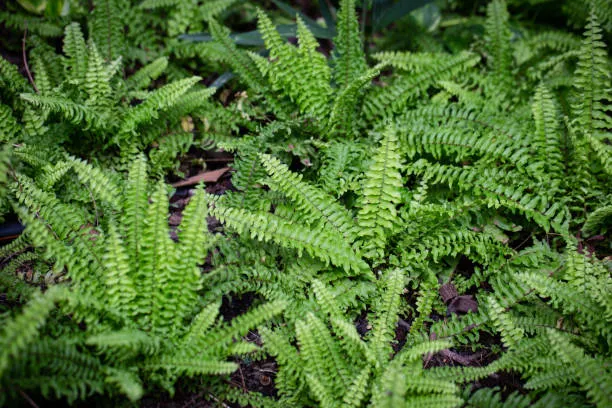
{"points": [[383, 326], [75, 50], [100, 184], [119, 278], [312, 205], [267, 227], [240, 62], [592, 82], [212, 9], [142, 78], [592, 375], [498, 41], [19, 332], [380, 196], [155, 272], [9, 128], [72, 111], [135, 193], [343, 117], [349, 57], [395, 97], [596, 219], [106, 27], [97, 80], [9, 74], [158, 100]]}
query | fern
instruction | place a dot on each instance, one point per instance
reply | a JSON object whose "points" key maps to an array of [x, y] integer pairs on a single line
{"points": [[134, 298]]}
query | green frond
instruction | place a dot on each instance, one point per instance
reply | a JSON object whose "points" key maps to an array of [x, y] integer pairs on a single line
{"points": [[395, 97], [377, 216], [153, 4], [170, 147], [498, 37], [16, 246], [126, 381], [106, 27], [9, 128], [119, 277], [592, 82], [195, 338], [157, 287], [194, 242], [97, 80], [75, 50], [342, 165], [383, 326], [158, 100], [548, 136], [492, 398], [125, 343], [498, 188], [219, 340], [11, 78], [212, 9], [357, 392], [390, 389], [424, 304], [43, 82], [142, 78], [37, 25], [418, 350], [100, 184], [51, 366], [510, 334], [322, 358], [592, 375], [135, 193], [22, 330], [72, 111], [443, 401], [343, 119], [300, 73], [268, 227], [314, 206], [349, 57], [325, 299], [596, 219], [412, 62], [240, 61], [533, 46], [193, 366]]}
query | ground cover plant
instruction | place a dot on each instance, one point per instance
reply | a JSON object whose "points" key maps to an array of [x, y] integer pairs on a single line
{"points": [[416, 212]]}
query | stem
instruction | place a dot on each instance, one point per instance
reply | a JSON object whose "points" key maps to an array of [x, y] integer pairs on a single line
{"points": [[25, 58]]}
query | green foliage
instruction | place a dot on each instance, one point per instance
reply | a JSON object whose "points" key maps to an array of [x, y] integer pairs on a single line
{"points": [[336, 367], [134, 287], [393, 211]]}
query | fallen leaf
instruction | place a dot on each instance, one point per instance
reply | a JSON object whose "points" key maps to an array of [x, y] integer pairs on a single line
{"points": [[207, 177]]}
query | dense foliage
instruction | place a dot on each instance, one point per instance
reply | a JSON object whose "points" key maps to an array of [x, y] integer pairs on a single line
{"points": [[418, 205]]}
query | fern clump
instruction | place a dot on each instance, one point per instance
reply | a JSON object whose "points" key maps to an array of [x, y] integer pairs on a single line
{"points": [[134, 288]]}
